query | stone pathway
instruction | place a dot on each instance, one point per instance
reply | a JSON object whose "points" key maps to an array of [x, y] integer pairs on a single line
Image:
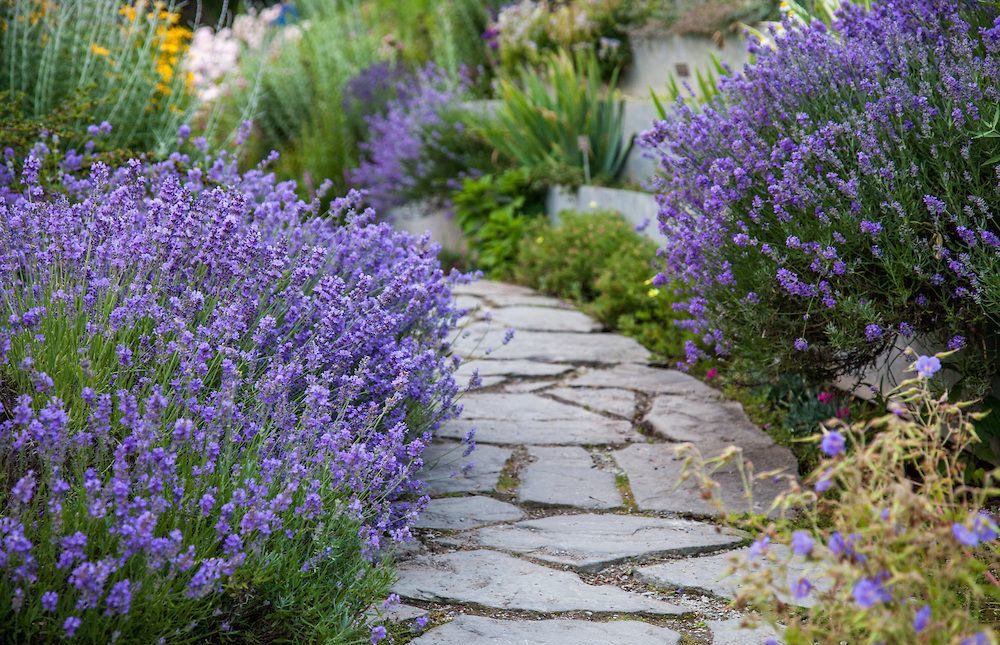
{"points": [[569, 527]]}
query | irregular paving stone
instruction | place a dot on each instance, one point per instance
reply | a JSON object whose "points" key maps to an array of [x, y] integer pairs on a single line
{"points": [[466, 630], [593, 542], [471, 303], [485, 340], [731, 632], [519, 418], [529, 386], [712, 573], [710, 425], [486, 288], [509, 369], [545, 319], [645, 379], [466, 513], [491, 579], [611, 400], [401, 613], [567, 477], [443, 470], [654, 472]]}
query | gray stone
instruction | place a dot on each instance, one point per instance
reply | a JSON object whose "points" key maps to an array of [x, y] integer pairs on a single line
{"points": [[713, 573], [510, 369], [466, 513], [528, 386], [524, 418], [567, 477], [544, 319], [530, 300], [710, 425], [487, 288], [470, 303], [731, 632], [654, 473], [491, 579], [444, 468], [646, 379], [611, 400], [401, 613], [471, 630], [484, 340], [593, 542]]}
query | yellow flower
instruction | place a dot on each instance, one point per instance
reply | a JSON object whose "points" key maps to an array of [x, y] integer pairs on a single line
{"points": [[648, 282], [539, 240], [652, 293], [97, 50]]}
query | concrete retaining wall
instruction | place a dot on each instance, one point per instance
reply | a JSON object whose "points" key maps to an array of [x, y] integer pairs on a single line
{"points": [[638, 208]]}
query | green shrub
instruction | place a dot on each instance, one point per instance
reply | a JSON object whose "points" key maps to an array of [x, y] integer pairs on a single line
{"points": [[125, 62], [887, 541], [494, 213], [600, 261], [562, 117]]}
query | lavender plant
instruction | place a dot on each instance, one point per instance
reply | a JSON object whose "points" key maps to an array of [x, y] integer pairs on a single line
{"points": [[888, 542], [212, 403], [395, 159], [841, 192]]}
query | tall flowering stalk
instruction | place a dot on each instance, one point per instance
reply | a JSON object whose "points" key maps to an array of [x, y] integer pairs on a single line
{"points": [[890, 542], [842, 190], [203, 383]]}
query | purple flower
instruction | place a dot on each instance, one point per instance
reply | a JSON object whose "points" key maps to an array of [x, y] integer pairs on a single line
{"points": [[24, 489], [927, 366], [802, 543], [956, 342], [801, 344], [869, 592], [70, 625], [922, 618], [983, 529], [833, 443], [873, 332], [49, 601], [378, 634], [802, 588], [979, 638], [759, 547], [870, 228]]}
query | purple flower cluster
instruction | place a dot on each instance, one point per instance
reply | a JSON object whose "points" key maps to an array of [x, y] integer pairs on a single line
{"points": [[837, 189], [196, 370], [396, 139]]}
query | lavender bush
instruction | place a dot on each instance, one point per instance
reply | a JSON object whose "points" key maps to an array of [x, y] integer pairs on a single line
{"points": [[395, 154], [212, 402], [843, 190]]}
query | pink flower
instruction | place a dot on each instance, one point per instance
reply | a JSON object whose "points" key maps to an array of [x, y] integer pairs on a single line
{"points": [[824, 397], [711, 374], [843, 413]]}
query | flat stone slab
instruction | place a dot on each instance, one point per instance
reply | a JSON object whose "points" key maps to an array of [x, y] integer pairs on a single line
{"points": [[592, 542], [712, 573], [445, 469], [567, 476], [487, 288], [545, 319], [469, 630], [645, 379], [610, 400], [484, 340], [510, 369], [731, 632], [654, 472], [454, 513], [525, 418], [551, 432], [710, 425], [491, 579]]}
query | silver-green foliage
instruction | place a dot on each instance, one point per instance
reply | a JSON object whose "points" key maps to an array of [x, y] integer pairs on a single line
{"points": [[90, 50]]}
